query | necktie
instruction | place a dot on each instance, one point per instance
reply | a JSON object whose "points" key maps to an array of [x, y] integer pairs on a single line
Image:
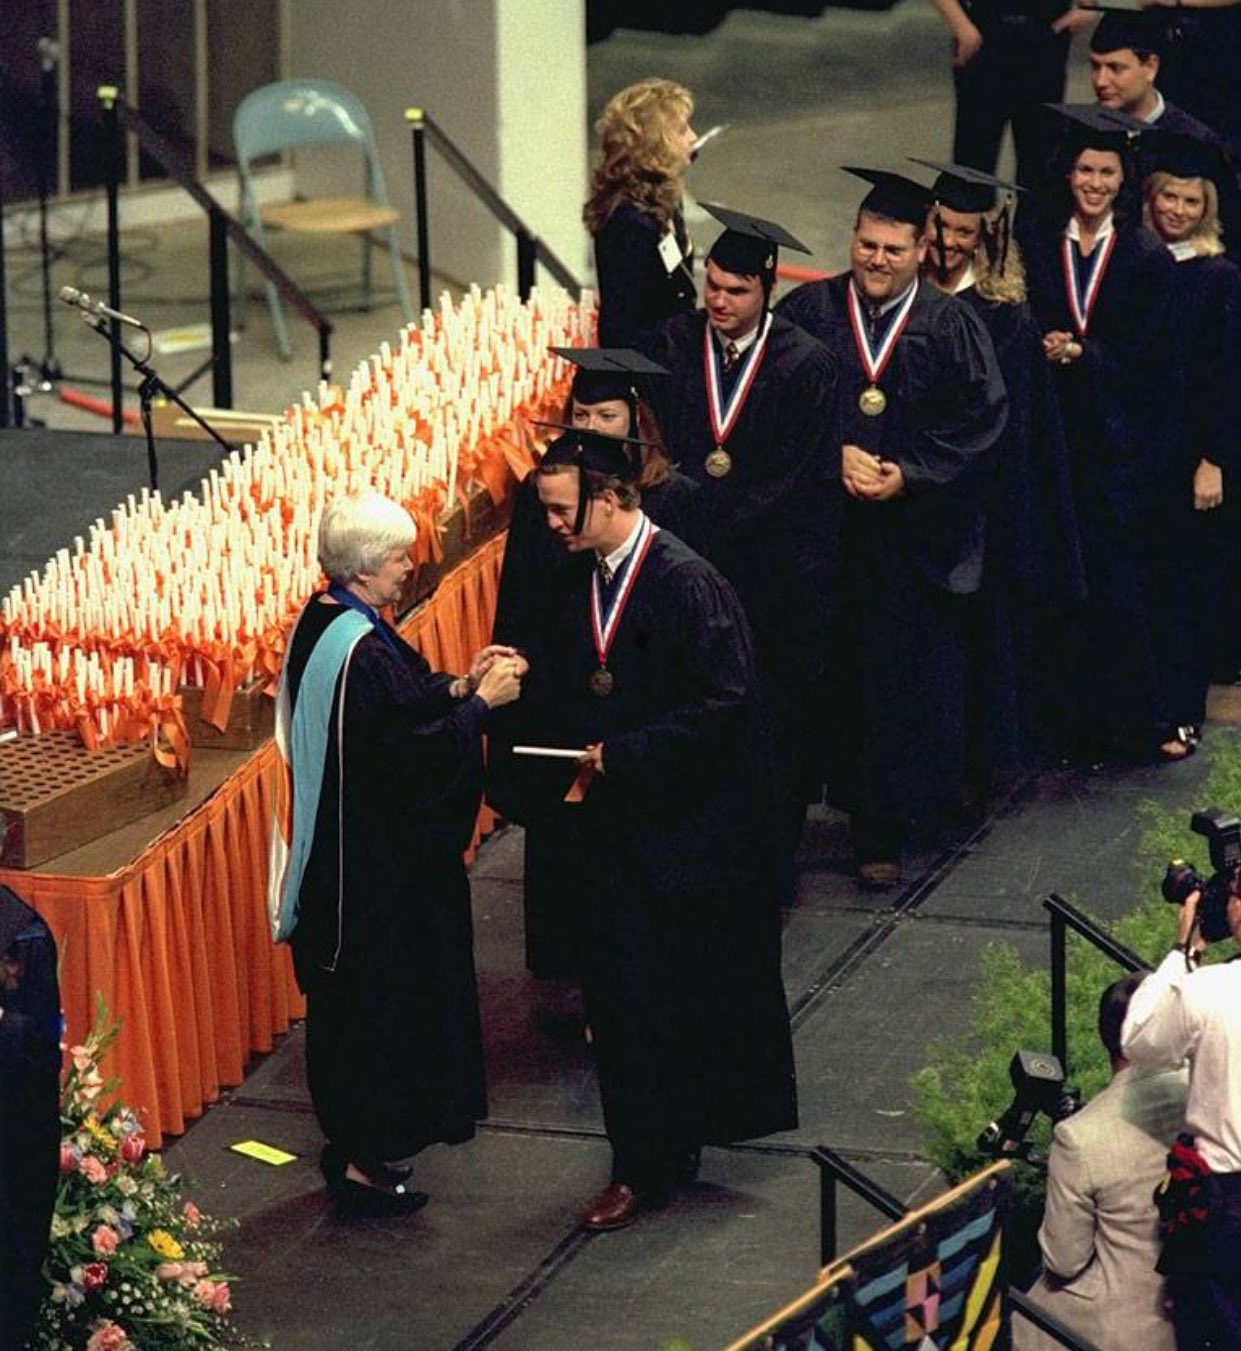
{"points": [[874, 315], [731, 355], [605, 575]]}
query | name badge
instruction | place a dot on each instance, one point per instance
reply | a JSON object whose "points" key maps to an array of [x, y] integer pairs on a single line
{"points": [[670, 252]]}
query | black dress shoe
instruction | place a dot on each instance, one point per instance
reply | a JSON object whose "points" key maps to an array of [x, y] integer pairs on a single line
{"points": [[333, 1163], [360, 1200]]}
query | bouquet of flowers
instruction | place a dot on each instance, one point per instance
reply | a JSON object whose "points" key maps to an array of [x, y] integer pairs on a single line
{"points": [[132, 1266]]}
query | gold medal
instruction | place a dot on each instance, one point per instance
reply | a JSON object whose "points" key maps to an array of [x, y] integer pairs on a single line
{"points": [[719, 462], [872, 401], [601, 682]]}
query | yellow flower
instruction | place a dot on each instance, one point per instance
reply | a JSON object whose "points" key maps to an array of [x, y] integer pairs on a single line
{"points": [[107, 1140], [164, 1244]]}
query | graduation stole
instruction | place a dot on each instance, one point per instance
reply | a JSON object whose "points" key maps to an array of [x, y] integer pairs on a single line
{"points": [[302, 730], [604, 621], [874, 362], [723, 418], [1081, 302]]}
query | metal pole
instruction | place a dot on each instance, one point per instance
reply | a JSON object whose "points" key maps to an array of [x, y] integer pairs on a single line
{"points": [[527, 256], [415, 118], [108, 95], [221, 347], [6, 375], [1059, 1021], [827, 1216]]}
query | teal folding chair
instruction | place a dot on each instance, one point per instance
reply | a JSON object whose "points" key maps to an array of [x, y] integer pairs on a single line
{"points": [[290, 115]]}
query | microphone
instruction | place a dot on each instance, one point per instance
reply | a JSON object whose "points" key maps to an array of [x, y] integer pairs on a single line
{"points": [[96, 309]]}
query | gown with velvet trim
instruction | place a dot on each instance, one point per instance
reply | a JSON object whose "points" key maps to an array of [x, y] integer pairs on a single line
{"points": [[393, 1047]]}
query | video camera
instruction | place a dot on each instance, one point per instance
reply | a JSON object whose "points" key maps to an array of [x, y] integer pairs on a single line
{"points": [[1038, 1081], [1223, 834]]}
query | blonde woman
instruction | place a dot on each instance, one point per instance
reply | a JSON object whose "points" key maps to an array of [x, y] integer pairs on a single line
{"points": [[1181, 207], [643, 256]]}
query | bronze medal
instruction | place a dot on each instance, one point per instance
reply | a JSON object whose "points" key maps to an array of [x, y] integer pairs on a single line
{"points": [[719, 462], [872, 401], [601, 682]]}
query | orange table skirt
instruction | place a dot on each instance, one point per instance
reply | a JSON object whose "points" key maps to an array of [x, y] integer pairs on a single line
{"points": [[177, 943]]}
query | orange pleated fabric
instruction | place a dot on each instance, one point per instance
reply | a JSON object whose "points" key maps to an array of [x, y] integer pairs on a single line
{"points": [[177, 942]]}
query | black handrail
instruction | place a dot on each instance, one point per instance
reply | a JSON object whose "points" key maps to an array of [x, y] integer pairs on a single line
{"points": [[118, 115], [530, 248], [833, 1168], [1064, 917]]}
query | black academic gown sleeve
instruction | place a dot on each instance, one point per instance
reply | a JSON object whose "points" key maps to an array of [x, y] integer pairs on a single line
{"points": [[636, 290]]}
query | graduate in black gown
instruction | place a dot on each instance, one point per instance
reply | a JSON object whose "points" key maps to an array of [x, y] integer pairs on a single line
{"points": [[924, 404], [1102, 290], [752, 410], [644, 260], [386, 766], [644, 666], [1197, 577], [1032, 569], [29, 1111], [606, 396]]}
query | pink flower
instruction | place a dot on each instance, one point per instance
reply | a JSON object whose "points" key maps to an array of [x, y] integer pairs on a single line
{"points": [[104, 1239], [108, 1337], [221, 1300], [70, 1157], [204, 1293], [92, 1170], [192, 1214], [170, 1271], [94, 1274], [133, 1147]]}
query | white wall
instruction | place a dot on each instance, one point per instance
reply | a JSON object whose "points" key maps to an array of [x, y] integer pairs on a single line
{"points": [[505, 79]]}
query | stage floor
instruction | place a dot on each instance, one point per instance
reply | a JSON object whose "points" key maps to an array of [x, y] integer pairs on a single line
{"points": [[496, 1258]]}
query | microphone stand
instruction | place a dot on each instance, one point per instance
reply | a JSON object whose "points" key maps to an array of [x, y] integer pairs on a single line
{"points": [[150, 386]]}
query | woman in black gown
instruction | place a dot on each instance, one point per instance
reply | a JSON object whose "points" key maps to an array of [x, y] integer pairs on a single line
{"points": [[605, 397], [386, 773], [644, 261], [1101, 289], [1196, 574]]}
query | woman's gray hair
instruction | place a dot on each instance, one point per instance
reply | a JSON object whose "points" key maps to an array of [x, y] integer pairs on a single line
{"points": [[357, 531]]}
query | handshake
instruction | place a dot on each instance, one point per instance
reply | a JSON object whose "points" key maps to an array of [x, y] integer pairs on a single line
{"points": [[495, 675]]}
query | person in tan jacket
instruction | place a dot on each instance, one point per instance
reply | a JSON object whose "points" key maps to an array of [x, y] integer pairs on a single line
{"points": [[1099, 1236]]}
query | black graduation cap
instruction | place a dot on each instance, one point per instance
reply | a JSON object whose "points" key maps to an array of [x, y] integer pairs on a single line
{"points": [[1182, 155], [593, 452], [1091, 127], [750, 245], [892, 195], [609, 372], [960, 188], [1140, 30]]}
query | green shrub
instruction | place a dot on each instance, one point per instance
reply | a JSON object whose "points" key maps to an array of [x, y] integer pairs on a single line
{"points": [[965, 1083]]}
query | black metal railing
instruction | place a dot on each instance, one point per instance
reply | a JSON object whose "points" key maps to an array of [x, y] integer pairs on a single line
{"points": [[120, 117], [1063, 918], [834, 1169], [531, 250]]}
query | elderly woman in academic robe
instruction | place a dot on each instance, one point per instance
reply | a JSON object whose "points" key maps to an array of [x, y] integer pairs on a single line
{"points": [[369, 884]]}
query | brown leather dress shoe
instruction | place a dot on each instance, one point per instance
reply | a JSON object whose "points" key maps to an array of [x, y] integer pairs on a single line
{"points": [[613, 1208], [879, 874]]}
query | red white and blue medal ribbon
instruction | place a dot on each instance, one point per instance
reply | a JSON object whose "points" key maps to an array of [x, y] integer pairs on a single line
{"points": [[874, 362], [723, 418], [1082, 300], [603, 625]]}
